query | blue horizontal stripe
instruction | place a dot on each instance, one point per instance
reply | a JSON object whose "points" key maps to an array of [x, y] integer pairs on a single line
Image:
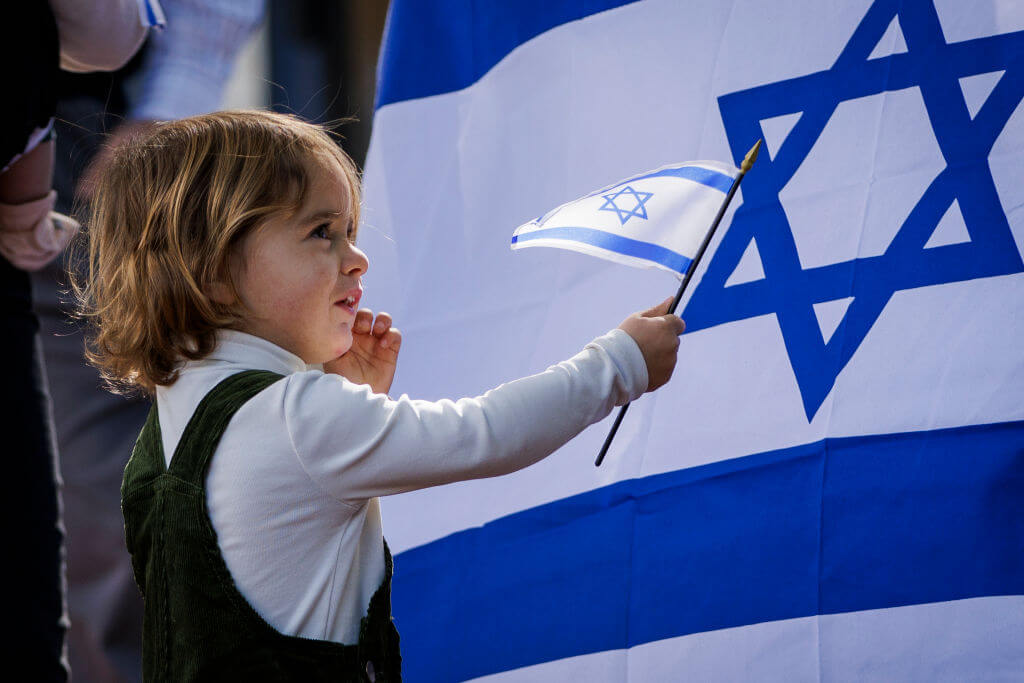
{"points": [[611, 242], [705, 176], [445, 45], [835, 526]]}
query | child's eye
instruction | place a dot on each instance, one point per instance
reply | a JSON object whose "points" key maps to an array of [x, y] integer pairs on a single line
{"points": [[322, 231]]}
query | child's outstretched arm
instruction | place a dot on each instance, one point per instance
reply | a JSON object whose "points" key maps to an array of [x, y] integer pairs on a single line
{"points": [[357, 444]]}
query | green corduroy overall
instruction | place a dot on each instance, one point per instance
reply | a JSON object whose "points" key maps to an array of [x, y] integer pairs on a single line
{"points": [[196, 625]]}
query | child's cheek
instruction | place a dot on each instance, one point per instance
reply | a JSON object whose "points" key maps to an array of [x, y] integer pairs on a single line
{"points": [[344, 344]]}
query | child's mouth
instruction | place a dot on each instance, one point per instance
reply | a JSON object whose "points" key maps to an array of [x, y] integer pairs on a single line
{"points": [[348, 303]]}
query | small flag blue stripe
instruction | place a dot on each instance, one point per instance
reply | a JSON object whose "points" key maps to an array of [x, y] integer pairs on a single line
{"points": [[150, 14], [611, 242], [835, 526], [698, 174]]}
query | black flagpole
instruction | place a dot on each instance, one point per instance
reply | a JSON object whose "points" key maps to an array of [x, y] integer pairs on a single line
{"points": [[748, 161]]}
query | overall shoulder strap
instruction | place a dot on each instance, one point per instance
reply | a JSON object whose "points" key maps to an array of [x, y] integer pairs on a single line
{"points": [[204, 430], [147, 460]]}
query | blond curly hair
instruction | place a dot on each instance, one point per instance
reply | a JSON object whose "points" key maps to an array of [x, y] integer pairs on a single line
{"points": [[165, 216]]}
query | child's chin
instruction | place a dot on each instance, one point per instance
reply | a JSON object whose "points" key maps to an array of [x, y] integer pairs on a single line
{"points": [[342, 347]]}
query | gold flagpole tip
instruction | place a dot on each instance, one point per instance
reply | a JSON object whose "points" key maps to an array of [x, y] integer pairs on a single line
{"points": [[751, 157]]}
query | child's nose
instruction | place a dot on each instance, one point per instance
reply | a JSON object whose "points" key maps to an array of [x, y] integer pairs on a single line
{"points": [[354, 261]]}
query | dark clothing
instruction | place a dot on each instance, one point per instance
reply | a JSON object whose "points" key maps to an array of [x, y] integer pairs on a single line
{"points": [[30, 51], [34, 534], [35, 616], [197, 625]]}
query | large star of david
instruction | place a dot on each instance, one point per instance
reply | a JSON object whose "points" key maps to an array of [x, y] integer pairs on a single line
{"points": [[790, 291], [639, 209]]}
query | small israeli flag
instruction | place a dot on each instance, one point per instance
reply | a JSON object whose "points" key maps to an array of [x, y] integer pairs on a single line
{"points": [[656, 219]]}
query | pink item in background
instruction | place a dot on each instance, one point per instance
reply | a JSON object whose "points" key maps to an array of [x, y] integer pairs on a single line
{"points": [[32, 234]]}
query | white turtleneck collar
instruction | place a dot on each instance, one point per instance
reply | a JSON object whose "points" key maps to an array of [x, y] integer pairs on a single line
{"points": [[235, 351], [242, 348]]}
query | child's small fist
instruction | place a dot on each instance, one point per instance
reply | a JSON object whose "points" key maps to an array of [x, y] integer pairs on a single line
{"points": [[656, 332], [373, 355]]}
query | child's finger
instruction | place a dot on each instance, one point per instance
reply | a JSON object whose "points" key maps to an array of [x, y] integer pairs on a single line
{"points": [[382, 324], [392, 340], [675, 323], [660, 309], [363, 321]]}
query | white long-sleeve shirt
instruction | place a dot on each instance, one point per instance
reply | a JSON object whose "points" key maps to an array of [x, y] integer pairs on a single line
{"points": [[292, 487]]}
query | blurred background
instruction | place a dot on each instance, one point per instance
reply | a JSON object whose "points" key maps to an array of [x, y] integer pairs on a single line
{"points": [[317, 60], [313, 59]]}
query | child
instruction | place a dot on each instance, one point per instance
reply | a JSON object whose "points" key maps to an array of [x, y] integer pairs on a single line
{"points": [[222, 273]]}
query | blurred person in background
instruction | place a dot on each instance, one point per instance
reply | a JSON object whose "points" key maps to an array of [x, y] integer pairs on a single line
{"points": [[182, 71], [36, 40]]}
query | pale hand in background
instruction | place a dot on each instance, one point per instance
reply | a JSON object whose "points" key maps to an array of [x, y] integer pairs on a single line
{"points": [[374, 353]]}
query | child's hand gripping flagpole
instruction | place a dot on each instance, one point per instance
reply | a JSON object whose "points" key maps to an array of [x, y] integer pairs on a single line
{"points": [[748, 161]]}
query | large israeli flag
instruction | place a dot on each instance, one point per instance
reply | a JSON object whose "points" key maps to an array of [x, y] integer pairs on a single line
{"points": [[832, 485], [656, 219]]}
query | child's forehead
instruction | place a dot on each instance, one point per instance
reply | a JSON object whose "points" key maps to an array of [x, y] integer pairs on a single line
{"points": [[327, 179], [327, 194], [327, 165]]}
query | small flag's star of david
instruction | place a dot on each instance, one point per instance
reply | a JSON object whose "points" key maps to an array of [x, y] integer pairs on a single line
{"points": [[790, 291], [639, 200]]}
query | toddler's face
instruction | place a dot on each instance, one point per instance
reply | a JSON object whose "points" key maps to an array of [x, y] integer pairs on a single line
{"points": [[299, 275]]}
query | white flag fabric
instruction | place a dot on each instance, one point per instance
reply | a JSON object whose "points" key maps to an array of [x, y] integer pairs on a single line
{"points": [[656, 219], [831, 487]]}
